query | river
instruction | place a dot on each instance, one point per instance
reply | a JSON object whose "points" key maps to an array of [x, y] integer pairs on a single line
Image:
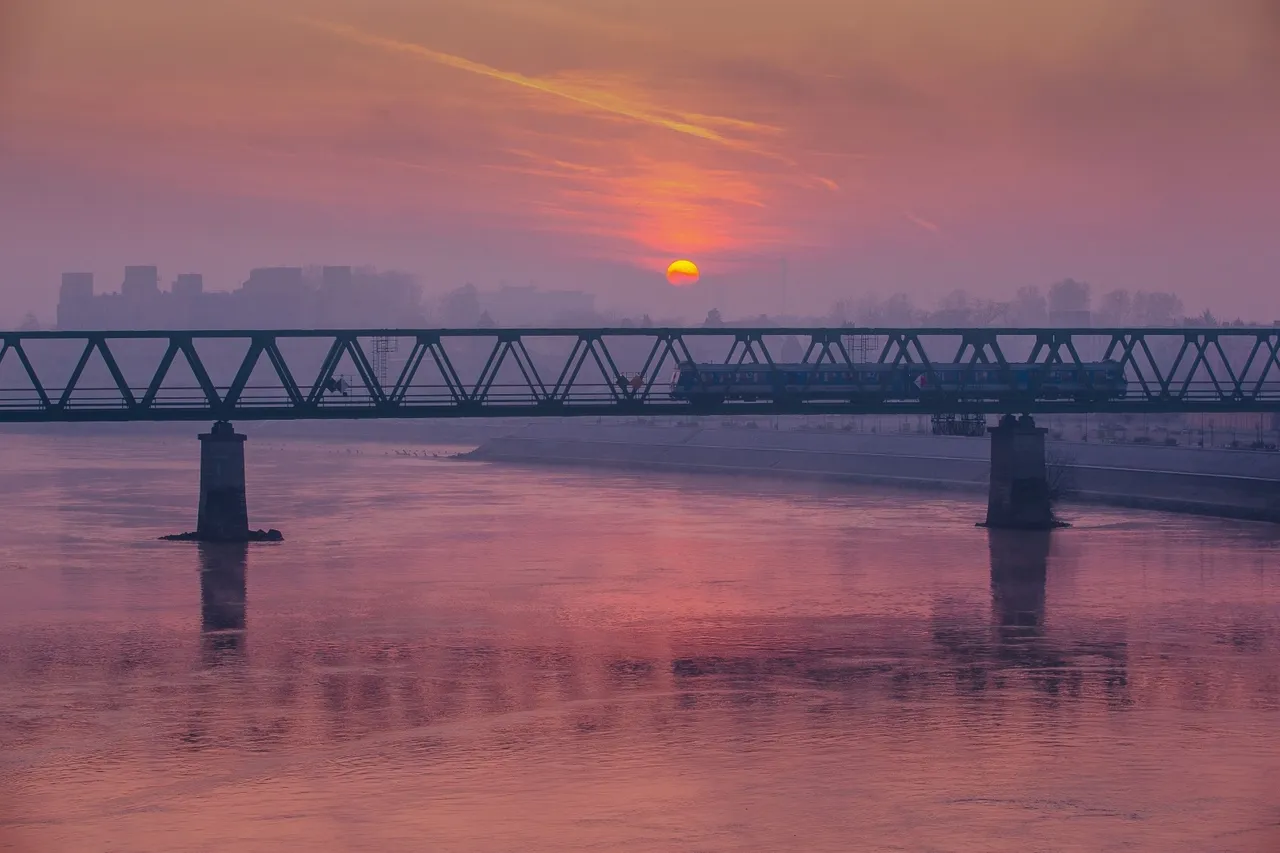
{"points": [[457, 656]]}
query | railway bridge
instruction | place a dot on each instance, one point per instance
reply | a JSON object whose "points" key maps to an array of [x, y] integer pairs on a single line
{"points": [[222, 376]]}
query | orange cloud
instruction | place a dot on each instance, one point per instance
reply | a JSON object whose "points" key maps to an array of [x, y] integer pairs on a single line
{"points": [[659, 206]]}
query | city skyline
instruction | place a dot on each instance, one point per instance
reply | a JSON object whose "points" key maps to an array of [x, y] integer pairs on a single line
{"points": [[915, 148], [331, 296]]}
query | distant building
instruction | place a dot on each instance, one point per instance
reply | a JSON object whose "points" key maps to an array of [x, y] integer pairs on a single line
{"points": [[140, 282], [336, 278], [271, 297], [188, 285], [274, 281], [75, 300]]}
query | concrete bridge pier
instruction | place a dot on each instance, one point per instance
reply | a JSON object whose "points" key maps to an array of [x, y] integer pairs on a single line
{"points": [[1018, 496], [224, 512]]}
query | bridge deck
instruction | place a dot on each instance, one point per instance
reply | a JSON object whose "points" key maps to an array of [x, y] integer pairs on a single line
{"points": [[155, 375]]}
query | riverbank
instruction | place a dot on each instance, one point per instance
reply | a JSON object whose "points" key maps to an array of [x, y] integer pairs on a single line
{"points": [[1225, 483]]}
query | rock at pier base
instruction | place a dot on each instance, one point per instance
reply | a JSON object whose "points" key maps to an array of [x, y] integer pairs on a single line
{"points": [[271, 535]]}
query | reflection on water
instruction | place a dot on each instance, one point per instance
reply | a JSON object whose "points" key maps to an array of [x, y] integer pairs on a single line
{"points": [[1019, 572], [222, 599], [465, 657]]}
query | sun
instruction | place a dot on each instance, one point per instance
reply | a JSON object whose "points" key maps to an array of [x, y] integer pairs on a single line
{"points": [[683, 273]]}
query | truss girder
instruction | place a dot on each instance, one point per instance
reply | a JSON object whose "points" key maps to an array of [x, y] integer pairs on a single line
{"points": [[513, 372]]}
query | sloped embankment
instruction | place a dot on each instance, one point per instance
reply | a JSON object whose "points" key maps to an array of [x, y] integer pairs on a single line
{"points": [[1238, 484]]}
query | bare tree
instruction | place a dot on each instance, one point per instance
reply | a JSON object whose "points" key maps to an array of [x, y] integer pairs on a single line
{"points": [[1029, 307], [1060, 472], [1156, 309], [1069, 295], [1116, 308]]}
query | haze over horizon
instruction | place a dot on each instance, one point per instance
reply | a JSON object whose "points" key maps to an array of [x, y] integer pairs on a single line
{"points": [[879, 147]]}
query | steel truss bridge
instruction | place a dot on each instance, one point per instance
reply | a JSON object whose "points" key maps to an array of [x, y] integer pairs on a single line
{"points": [[439, 373]]}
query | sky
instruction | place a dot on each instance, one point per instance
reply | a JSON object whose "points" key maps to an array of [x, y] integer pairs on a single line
{"points": [[875, 145]]}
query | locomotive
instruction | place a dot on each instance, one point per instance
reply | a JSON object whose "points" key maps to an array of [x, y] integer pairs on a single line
{"points": [[873, 383]]}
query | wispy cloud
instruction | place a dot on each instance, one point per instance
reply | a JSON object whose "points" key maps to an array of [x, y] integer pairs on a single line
{"points": [[696, 125], [921, 222]]}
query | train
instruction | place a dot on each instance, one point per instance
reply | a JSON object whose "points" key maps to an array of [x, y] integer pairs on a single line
{"points": [[873, 382]]}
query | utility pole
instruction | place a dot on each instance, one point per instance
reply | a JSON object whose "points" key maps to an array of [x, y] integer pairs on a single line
{"points": [[783, 262]]}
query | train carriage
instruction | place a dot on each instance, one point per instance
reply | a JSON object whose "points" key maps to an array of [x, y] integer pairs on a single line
{"points": [[874, 382]]}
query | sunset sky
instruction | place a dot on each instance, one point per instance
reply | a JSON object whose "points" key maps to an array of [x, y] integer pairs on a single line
{"points": [[914, 145]]}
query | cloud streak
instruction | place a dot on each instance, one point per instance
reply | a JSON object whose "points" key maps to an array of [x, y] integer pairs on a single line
{"points": [[688, 124]]}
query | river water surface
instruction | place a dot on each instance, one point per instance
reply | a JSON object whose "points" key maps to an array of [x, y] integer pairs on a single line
{"points": [[456, 656]]}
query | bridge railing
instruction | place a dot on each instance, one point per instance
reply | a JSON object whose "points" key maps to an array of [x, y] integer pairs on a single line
{"points": [[269, 374]]}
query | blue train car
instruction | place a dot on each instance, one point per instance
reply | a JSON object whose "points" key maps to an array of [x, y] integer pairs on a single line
{"points": [[871, 383]]}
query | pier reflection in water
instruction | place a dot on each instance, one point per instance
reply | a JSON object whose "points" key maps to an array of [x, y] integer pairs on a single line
{"points": [[1019, 572], [223, 567], [493, 659]]}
